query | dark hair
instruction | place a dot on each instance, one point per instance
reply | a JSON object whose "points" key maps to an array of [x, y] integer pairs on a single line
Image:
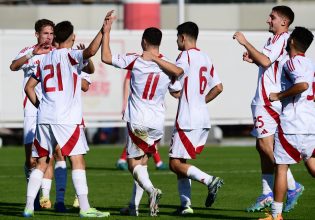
{"points": [[43, 23], [189, 28], [285, 11], [302, 38], [62, 31], [153, 36]]}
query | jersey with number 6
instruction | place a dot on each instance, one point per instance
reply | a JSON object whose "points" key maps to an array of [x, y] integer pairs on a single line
{"points": [[148, 86], [61, 87], [198, 78]]}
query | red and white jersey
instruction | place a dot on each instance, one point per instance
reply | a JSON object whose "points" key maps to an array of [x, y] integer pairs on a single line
{"points": [[298, 112], [269, 79], [29, 68], [61, 87], [198, 78], [148, 86]]}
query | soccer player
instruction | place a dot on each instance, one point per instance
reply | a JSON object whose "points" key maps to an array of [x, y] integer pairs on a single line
{"points": [[145, 111], [201, 84], [60, 168], [60, 113], [295, 137], [28, 61], [121, 163], [266, 113]]}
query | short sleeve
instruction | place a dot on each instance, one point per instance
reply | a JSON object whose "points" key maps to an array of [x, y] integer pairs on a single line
{"points": [[175, 85], [86, 76], [124, 61], [76, 57], [295, 70], [214, 77], [274, 47]]}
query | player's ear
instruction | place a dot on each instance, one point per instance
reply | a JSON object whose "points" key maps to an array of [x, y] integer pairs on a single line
{"points": [[284, 21]]}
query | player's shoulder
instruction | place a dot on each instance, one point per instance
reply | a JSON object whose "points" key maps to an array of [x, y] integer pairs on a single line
{"points": [[279, 37]]}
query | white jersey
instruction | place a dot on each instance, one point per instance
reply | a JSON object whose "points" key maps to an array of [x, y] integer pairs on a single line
{"points": [[148, 86], [29, 68], [61, 87], [269, 79], [198, 78], [298, 112]]}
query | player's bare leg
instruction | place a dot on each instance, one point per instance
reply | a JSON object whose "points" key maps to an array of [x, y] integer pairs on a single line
{"points": [[310, 165]]}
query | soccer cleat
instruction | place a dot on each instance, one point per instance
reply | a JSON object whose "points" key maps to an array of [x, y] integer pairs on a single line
{"points": [[27, 213], [121, 165], [60, 207], [93, 213], [130, 210], [269, 217], [155, 197], [184, 211], [45, 203], [292, 197], [261, 203], [161, 167], [213, 187], [76, 203]]}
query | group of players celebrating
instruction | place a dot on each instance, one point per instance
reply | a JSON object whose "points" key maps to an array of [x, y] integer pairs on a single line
{"points": [[283, 111]]}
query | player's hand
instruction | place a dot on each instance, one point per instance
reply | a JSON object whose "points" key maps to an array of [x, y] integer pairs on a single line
{"points": [[239, 36], [108, 20], [247, 58], [81, 46], [273, 97], [148, 56], [43, 48]]}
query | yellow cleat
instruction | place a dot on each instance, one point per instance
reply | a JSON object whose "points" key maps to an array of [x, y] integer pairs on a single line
{"points": [[269, 217], [45, 203], [76, 203]]}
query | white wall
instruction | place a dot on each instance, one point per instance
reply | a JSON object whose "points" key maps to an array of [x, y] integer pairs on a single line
{"points": [[103, 103]]}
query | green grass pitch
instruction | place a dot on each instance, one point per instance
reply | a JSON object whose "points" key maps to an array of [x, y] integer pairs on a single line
{"points": [[110, 189]]}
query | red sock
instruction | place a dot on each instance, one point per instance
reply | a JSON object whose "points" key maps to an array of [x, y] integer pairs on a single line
{"points": [[123, 155], [157, 157]]}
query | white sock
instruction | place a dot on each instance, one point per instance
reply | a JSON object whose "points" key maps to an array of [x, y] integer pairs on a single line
{"points": [[141, 175], [267, 183], [196, 174], [46, 186], [33, 187], [276, 208], [184, 189], [81, 188], [291, 180], [136, 196], [61, 180]]}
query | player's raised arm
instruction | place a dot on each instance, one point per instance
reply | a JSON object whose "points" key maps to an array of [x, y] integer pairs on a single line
{"points": [[169, 68], [30, 91], [106, 52], [92, 49], [89, 67], [252, 54]]}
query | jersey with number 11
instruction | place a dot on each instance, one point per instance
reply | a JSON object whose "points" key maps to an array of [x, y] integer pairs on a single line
{"points": [[58, 74], [148, 86], [198, 79]]}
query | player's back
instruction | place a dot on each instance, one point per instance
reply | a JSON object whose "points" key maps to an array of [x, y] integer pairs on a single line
{"points": [[148, 85], [61, 102], [198, 78]]}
